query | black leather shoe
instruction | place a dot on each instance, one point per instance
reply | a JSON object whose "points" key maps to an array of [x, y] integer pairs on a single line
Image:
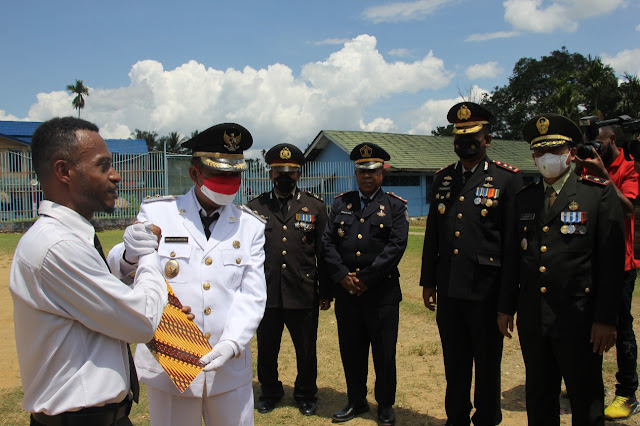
{"points": [[349, 412], [307, 408], [266, 405], [386, 416]]}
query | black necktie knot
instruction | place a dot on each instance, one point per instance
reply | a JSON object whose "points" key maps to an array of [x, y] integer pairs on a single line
{"points": [[207, 221]]}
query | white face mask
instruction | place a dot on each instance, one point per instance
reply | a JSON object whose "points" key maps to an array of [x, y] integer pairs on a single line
{"points": [[552, 165]]}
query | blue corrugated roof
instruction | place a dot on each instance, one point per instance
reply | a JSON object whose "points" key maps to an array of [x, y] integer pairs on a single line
{"points": [[21, 131]]}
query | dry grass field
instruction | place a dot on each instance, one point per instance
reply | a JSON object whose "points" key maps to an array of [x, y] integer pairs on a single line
{"points": [[421, 382]]}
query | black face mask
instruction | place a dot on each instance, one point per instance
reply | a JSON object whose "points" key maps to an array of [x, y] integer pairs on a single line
{"points": [[284, 184], [467, 147]]}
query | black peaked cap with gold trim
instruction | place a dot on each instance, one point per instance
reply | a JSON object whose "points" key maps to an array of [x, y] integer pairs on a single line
{"points": [[221, 147], [550, 130], [468, 117], [285, 157], [369, 156]]}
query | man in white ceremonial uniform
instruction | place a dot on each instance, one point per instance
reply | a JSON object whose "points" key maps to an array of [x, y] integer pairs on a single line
{"points": [[72, 317], [212, 254]]}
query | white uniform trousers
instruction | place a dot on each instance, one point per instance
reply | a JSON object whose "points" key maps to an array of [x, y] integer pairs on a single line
{"points": [[233, 408]]}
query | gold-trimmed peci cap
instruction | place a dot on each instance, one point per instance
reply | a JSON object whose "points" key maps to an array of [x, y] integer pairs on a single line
{"points": [[550, 130], [221, 147], [285, 157], [468, 117], [369, 156]]}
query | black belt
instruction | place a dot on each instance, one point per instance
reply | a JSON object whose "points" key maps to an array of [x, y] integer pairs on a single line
{"points": [[95, 416]]}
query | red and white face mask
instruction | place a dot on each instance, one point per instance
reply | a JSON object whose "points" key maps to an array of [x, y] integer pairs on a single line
{"points": [[220, 189]]}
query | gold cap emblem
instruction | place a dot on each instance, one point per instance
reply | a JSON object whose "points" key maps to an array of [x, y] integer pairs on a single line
{"points": [[464, 113], [285, 154], [366, 151], [543, 125], [231, 142]]}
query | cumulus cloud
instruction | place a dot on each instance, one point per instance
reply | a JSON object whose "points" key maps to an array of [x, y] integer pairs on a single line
{"points": [[403, 11], [399, 52], [332, 41], [626, 61], [533, 16], [433, 113], [379, 125], [492, 36], [10, 117], [638, 27], [273, 103], [486, 70]]}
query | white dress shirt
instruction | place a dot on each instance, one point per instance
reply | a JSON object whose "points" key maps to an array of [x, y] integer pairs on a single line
{"points": [[72, 317]]}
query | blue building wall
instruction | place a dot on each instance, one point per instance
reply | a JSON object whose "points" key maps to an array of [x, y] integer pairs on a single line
{"points": [[415, 195]]}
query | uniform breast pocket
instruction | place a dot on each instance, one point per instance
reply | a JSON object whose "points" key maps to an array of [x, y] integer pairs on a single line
{"points": [[234, 263], [174, 259], [343, 224], [380, 226]]}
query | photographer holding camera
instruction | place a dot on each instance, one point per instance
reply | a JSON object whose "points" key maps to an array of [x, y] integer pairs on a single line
{"points": [[610, 163]]}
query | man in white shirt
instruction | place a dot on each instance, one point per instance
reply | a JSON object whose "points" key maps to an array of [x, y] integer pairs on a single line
{"points": [[72, 317]]}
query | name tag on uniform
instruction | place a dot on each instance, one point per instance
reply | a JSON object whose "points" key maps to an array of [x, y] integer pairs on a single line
{"points": [[528, 216], [345, 212], [176, 239]]}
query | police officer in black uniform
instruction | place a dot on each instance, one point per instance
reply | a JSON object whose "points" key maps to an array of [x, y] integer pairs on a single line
{"points": [[296, 278], [364, 241], [571, 251], [467, 260]]}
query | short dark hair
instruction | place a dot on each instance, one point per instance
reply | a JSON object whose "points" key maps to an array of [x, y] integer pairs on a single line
{"points": [[56, 139]]}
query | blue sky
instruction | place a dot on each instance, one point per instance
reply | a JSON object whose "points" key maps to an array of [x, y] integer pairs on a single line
{"points": [[288, 69]]}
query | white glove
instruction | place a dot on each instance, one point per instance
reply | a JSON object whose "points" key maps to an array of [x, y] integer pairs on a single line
{"points": [[138, 241], [221, 353]]}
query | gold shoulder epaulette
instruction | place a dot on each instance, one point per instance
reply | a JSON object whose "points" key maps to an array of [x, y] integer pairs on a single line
{"points": [[251, 212], [311, 194], [506, 166], [398, 197], [594, 179], [158, 197], [445, 167]]}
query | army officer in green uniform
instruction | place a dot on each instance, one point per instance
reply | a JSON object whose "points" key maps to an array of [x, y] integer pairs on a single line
{"points": [[296, 278], [572, 244]]}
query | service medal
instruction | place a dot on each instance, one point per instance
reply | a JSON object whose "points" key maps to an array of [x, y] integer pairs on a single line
{"points": [[340, 232], [484, 212], [442, 208], [477, 201], [571, 229], [489, 202], [171, 268], [524, 244], [381, 213], [564, 229]]}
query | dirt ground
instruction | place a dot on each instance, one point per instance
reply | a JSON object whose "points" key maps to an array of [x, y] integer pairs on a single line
{"points": [[421, 383]]}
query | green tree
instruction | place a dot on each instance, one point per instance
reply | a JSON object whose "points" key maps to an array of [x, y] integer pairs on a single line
{"points": [[599, 87], [443, 131], [173, 141], [629, 103], [151, 138], [81, 91]]}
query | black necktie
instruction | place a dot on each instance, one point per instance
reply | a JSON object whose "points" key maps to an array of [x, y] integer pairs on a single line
{"points": [[284, 205], [133, 375], [466, 176], [365, 201], [207, 221]]}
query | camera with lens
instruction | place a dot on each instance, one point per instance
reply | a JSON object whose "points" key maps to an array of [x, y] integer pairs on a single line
{"points": [[592, 125]]}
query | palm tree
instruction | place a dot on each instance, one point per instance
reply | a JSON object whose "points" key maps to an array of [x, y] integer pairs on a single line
{"points": [[81, 91], [173, 141]]}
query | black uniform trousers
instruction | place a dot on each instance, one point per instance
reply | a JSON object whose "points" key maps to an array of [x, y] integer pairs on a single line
{"points": [[547, 361], [626, 346], [303, 328], [361, 326], [469, 333]]}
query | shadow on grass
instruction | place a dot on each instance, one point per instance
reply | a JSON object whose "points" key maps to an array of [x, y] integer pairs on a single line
{"points": [[329, 401]]}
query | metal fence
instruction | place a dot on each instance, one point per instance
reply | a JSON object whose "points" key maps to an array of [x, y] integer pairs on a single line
{"points": [[151, 174]]}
